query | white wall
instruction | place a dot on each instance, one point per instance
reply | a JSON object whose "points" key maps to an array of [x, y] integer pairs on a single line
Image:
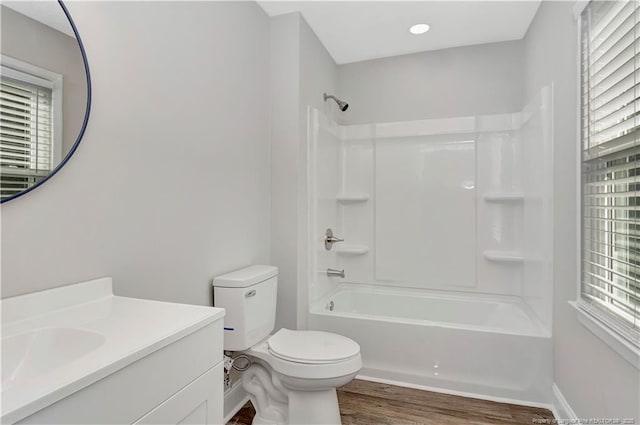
{"points": [[301, 71], [171, 184], [595, 380], [285, 157], [461, 81]]}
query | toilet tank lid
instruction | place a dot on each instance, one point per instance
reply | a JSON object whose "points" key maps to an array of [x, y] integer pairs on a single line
{"points": [[245, 277]]}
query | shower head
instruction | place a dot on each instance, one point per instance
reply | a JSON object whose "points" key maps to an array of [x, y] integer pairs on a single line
{"points": [[341, 104]]}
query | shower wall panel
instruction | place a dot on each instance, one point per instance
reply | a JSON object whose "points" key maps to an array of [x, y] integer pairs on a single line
{"points": [[324, 183], [537, 143], [426, 223], [358, 219], [456, 204], [425, 210]]}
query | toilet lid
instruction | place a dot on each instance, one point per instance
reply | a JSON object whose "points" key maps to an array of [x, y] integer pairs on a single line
{"points": [[312, 346]]}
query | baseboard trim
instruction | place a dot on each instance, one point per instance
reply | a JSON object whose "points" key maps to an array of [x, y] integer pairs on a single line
{"points": [[234, 399], [560, 406], [454, 392]]}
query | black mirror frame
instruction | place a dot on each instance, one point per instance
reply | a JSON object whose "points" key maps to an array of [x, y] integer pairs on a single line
{"points": [[86, 115]]}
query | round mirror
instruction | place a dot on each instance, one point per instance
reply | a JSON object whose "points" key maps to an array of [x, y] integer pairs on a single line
{"points": [[45, 93]]}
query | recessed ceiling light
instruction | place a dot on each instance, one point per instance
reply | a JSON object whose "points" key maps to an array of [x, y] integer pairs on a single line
{"points": [[419, 29]]}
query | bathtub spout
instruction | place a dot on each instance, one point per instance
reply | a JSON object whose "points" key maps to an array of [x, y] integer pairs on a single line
{"points": [[335, 273]]}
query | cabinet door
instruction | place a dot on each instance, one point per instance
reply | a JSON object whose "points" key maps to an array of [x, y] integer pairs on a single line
{"points": [[200, 402]]}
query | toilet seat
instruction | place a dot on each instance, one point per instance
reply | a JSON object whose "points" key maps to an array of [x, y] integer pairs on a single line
{"points": [[312, 347], [306, 368]]}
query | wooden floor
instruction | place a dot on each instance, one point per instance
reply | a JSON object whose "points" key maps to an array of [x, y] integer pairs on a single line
{"points": [[369, 403]]}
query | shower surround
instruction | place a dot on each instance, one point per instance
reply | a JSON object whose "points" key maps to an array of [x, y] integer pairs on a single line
{"points": [[447, 250]]}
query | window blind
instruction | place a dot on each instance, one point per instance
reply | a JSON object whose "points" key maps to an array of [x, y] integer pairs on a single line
{"points": [[610, 107], [26, 135]]}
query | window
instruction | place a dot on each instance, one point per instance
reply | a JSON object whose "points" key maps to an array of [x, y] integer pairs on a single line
{"points": [[29, 126], [610, 133]]}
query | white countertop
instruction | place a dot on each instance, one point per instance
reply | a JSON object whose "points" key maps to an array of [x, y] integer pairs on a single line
{"points": [[99, 333]]}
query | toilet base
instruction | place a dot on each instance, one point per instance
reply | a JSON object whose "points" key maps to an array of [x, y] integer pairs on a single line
{"points": [[268, 397], [277, 405], [314, 407], [308, 408]]}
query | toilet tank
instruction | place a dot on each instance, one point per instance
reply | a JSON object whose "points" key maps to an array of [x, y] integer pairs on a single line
{"points": [[249, 298]]}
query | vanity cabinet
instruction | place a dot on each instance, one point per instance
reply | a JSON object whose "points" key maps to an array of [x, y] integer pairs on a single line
{"points": [[179, 383]]}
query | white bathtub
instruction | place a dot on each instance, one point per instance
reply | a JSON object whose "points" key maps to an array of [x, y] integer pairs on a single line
{"points": [[490, 347]]}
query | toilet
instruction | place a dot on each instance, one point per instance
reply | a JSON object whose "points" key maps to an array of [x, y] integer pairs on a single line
{"points": [[294, 374]]}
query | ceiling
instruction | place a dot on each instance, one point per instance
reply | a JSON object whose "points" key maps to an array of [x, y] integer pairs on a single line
{"points": [[47, 12], [354, 31]]}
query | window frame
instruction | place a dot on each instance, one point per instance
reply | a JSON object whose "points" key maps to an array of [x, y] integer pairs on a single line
{"points": [[19, 70], [618, 336]]}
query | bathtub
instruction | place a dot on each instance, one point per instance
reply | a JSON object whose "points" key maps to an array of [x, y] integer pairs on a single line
{"points": [[490, 347]]}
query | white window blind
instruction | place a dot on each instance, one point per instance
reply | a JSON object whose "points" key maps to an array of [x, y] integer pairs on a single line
{"points": [[610, 105], [26, 136]]}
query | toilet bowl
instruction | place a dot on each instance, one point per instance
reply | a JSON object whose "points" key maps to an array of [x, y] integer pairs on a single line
{"points": [[294, 374]]}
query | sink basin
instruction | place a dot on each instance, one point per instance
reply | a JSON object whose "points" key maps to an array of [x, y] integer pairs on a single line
{"points": [[40, 351]]}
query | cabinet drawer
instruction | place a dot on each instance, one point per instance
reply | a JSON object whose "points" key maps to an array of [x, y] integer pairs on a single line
{"points": [[199, 403]]}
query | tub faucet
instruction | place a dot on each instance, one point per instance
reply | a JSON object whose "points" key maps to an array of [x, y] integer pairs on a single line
{"points": [[335, 273]]}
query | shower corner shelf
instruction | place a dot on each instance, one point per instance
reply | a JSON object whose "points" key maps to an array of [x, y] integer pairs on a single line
{"points": [[351, 249], [503, 197], [349, 198], [504, 256]]}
